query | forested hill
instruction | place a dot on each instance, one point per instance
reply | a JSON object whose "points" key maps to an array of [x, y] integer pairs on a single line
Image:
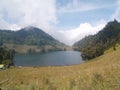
{"points": [[30, 36], [95, 45]]}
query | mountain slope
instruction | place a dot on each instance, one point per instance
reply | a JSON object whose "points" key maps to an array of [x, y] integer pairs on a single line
{"points": [[95, 45], [30, 36]]}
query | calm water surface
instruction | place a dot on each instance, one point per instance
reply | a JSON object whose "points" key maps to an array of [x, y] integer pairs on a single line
{"points": [[57, 58]]}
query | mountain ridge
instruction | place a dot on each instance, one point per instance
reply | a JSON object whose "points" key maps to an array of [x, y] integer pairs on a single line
{"points": [[31, 36], [94, 45]]}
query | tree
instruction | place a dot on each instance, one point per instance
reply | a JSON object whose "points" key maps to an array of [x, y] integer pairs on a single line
{"points": [[6, 56], [94, 45], [31, 51]]}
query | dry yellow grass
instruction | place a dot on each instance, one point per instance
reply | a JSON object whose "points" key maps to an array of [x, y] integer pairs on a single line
{"points": [[23, 48], [102, 73], [26, 48]]}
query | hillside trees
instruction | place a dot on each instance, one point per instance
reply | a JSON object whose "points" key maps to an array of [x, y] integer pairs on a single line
{"points": [[29, 36], [94, 45], [6, 56]]}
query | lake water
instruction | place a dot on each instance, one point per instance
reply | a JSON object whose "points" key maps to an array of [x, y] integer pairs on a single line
{"points": [[57, 58]]}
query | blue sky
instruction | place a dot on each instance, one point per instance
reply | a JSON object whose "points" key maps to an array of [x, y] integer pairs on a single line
{"points": [[66, 20], [102, 9]]}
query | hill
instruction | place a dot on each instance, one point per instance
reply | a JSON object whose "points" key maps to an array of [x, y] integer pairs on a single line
{"points": [[30, 39], [102, 73], [94, 45]]}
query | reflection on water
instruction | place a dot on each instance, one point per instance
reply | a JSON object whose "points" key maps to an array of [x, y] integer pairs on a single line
{"points": [[48, 59]]}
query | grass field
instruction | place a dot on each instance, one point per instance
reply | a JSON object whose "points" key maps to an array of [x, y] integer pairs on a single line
{"points": [[102, 73], [23, 48], [37, 49]]}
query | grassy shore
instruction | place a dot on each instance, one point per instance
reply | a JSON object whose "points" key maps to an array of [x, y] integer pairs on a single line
{"points": [[102, 73]]}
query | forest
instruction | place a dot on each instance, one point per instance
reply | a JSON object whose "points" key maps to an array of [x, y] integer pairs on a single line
{"points": [[6, 56], [94, 45]]}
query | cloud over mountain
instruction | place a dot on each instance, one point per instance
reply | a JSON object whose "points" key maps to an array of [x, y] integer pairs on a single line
{"points": [[71, 36], [20, 13], [49, 14]]}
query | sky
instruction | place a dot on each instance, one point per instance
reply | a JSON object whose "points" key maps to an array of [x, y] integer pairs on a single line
{"points": [[66, 20]]}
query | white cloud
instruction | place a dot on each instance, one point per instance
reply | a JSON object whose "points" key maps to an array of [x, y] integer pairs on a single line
{"points": [[84, 29], [15, 14], [79, 6], [116, 14], [21, 13], [6, 25]]}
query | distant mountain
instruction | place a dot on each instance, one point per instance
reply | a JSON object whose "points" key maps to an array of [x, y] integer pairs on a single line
{"points": [[31, 39], [95, 45]]}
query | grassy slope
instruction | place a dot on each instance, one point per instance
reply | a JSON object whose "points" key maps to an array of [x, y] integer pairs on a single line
{"points": [[25, 48], [102, 73]]}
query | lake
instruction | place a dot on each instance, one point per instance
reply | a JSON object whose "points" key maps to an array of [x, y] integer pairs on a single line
{"points": [[57, 58]]}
